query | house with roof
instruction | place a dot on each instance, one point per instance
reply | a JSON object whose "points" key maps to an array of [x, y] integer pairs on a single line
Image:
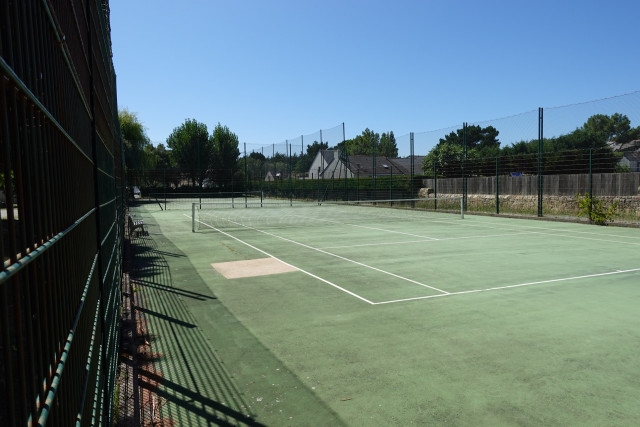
{"points": [[327, 164], [276, 175], [631, 160]]}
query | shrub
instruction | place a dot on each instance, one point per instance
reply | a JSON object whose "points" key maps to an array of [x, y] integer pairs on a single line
{"points": [[595, 210]]}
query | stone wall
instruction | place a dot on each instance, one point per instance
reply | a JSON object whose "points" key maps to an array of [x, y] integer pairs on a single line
{"points": [[605, 184], [628, 206]]}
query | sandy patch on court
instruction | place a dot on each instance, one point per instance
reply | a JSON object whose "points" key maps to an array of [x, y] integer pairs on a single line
{"points": [[252, 268]]}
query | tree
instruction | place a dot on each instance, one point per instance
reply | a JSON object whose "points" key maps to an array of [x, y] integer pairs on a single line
{"points": [[191, 148], [366, 143], [481, 142], [257, 156], [134, 138], [370, 142], [443, 155], [388, 145], [607, 128], [226, 153], [164, 158]]}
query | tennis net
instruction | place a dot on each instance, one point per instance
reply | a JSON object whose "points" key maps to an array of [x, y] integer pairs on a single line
{"points": [[183, 201], [252, 213]]}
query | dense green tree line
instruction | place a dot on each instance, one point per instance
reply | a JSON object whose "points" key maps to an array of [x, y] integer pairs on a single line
{"points": [[204, 159], [215, 159], [484, 143]]}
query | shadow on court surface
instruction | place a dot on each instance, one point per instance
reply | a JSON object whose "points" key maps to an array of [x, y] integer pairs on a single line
{"points": [[192, 383]]}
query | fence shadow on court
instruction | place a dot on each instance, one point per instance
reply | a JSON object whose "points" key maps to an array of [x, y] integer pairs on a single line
{"points": [[189, 383]]}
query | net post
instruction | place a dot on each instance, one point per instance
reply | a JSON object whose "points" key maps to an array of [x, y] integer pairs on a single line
{"points": [[193, 217], [462, 208]]}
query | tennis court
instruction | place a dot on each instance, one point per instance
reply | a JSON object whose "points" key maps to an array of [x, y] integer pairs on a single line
{"points": [[378, 314]]}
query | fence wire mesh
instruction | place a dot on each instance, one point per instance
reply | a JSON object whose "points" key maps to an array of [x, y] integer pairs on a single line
{"points": [[539, 162]]}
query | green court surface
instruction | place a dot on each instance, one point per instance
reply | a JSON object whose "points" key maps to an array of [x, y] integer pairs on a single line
{"points": [[391, 318]]}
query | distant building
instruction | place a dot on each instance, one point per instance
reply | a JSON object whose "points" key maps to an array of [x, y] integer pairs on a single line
{"points": [[276, 175], [631, 160], [327, 164]]}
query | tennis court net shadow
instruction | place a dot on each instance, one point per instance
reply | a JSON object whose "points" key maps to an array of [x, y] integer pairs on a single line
{"points": [[188, 383]]}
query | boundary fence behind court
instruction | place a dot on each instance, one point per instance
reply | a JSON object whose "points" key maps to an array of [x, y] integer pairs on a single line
{"points": [[536, 164], [61, 233]]}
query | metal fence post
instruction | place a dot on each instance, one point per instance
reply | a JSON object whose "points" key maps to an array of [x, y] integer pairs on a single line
{"points": [[497, 187], [411, 150], [464, 160], [590, 182], [540, 141], [435, 186]]}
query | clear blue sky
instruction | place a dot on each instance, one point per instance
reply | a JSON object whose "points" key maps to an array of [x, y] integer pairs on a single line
{"points": [[274, 70]]}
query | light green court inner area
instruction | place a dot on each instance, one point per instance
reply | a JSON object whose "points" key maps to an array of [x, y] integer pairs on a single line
{"points": [[393, 318]]}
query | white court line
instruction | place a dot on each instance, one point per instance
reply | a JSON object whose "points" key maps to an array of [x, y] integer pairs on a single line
{"points": [[525, 230], [555, 232], [518, 233], [510, 286], [578, 232], [340, 257], [377, 229], [284, 262], [559, 232], [587, 238]]}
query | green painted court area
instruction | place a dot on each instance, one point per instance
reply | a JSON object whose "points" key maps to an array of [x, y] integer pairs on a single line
{"points": [[366, 315]]}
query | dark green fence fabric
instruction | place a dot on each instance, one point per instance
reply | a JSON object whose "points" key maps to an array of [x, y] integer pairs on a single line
{"points": [[62, 209]]}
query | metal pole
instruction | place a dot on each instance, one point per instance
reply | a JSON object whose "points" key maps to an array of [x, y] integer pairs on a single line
{"points": [[165, 187], [435, 186], [346, 163], [540, 140], [199, 176], [245, 175], [322, 160], [590, 183], [391, 183], [411, 141], [464, 161], [290, 182], [497, 189], [375, 175]]}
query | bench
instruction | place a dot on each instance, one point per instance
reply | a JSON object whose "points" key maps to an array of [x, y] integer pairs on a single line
{"points": [[134, 225]]}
